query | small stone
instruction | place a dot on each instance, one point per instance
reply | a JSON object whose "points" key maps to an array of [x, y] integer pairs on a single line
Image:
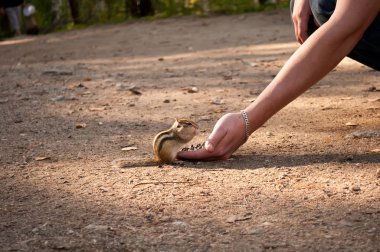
{"points": [[356, 188], [58, 98], [3, 100], [96, 227], [103, 189], [346, 223], [254, 231], [266, 224], [351, 124], [217, 102], [192, 90], [372, 89], [179, 223], [80, 125], [372, 230]]}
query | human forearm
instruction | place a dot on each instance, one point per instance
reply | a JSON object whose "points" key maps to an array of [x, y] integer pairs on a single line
{"points": [[312, 61]]}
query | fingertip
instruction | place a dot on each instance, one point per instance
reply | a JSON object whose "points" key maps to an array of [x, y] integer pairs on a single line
{"points": [[209, 146]]}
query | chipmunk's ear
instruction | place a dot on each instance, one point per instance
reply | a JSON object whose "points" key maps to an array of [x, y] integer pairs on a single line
{"points": [[177, 119]]}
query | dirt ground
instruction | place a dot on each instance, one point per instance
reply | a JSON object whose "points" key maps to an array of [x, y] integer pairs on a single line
{"points": [[70, 103]]}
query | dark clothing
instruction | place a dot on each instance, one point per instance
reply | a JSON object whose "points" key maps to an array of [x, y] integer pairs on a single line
{"points": [[10, 3], [367, 51]]}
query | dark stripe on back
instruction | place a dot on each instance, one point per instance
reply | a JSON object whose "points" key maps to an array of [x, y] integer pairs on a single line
{"points": [[163, 140]]}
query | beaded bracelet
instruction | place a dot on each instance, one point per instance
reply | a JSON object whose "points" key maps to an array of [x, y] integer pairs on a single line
{"points": [[246, 121]]}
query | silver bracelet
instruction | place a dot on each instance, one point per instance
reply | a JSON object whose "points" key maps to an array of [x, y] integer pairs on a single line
{"points": [[246, 121]]}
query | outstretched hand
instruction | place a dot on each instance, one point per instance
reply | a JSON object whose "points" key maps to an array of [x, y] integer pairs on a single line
{"points": [[227, 136]]}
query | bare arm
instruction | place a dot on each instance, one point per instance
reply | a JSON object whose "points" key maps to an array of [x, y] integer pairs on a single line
{"points": [[315, 58]]}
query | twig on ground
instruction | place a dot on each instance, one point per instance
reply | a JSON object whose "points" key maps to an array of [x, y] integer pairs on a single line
{"points": [[162, 182]]}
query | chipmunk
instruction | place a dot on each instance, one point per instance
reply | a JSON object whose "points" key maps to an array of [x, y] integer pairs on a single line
{"points": [[166, 144]]}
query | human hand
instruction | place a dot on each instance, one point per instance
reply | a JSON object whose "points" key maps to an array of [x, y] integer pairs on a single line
{"points": [[301, 15], [227, 136]]}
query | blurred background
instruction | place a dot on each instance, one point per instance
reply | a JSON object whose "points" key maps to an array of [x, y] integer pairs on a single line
{"points": [[44, 16]]}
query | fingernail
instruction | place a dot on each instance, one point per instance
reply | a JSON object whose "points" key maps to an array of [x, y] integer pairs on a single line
{"points": [[209, 147]]}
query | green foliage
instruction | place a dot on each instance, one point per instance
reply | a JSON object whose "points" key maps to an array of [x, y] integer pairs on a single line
{"points": [[110, 11], [44, 14]]}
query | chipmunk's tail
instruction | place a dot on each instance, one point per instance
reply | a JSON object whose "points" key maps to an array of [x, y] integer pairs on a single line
{"points": [[131, 163]]}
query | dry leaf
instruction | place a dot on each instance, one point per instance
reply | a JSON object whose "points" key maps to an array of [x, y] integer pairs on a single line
{"points": [[251, 64], [239, 217], [346, 98], [86, 93], [129, 148], [96, 108], [134, 91], [374, 100], [41, 158], [204, 118], [351, 124], [219, 110]]}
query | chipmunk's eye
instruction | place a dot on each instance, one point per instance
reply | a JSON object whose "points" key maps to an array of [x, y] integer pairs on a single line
{"points": [[179, 126]]}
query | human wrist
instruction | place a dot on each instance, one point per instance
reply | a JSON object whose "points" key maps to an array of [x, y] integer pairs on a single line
{"points": [[247, 130]]}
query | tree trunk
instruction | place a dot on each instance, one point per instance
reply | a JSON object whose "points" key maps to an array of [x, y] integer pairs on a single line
{"points": [[139, 8], [74, 8]]}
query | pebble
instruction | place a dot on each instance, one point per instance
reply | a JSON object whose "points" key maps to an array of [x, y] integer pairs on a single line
{"points": [[97, 227], [3, 100], [356, 188], [58, 98]]}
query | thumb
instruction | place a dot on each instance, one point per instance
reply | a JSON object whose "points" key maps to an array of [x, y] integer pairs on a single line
{"points": [[215, 138]]}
